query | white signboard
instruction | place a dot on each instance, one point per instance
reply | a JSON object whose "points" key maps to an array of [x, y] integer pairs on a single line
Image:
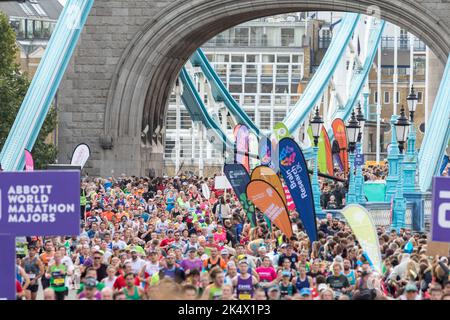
{"points": [[221, 183]]}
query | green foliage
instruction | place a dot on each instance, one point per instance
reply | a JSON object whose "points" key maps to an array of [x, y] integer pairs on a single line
{"points": [[13, 87]]}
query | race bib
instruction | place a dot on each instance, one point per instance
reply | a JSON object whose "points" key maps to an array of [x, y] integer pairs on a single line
{"points": [[31, 276], [59, 282], [245, 296]]}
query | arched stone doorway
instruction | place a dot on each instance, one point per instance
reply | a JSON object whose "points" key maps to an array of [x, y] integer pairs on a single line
{"points": [[148, 66]]}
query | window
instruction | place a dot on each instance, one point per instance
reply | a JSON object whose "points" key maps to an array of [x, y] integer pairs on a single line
{"points": [[169, 148], [281, 88], [250, 88], [268, 58], [236, 70], [235, 88], [267, 70], [278, 115], [251, 70], [282, 69], [171, 119], [283, 59], [235, 58], [296, 71], [296, 58], [287, 37], [185, 119], [419, 97], [241, 37], [249, 100], [251, 114], [252, 58], [281, 100], [264, 100], [403, 39], [221, 70], [266, 87], [398, 97], [419, 66], [264, 120], [375, 97], [386, 97], [222, 58]]}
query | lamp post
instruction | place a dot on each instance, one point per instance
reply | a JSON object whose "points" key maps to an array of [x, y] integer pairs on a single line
{"points": [[316, 126], [399, 212], [353, 129], [410, 163], [359, 179]]}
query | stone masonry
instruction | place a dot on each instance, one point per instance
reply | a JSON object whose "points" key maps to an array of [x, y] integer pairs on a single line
{"points": [[130, 52]]}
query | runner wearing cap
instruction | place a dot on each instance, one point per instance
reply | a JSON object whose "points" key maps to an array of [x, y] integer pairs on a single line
{"points": [[287, 289], [192, 262], [90, 291], [34, 268], [244, 283]]}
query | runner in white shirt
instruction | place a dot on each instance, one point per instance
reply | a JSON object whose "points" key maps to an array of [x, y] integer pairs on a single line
{"points": [[151, 266], [136, 262], [111, 278]]}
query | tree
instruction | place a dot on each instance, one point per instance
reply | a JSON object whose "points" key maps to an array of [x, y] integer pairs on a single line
{"points": [[13, 87]]}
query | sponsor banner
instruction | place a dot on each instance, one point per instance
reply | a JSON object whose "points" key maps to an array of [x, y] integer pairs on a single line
{"points": [[253, 148], [42, 203], [290, 202], [327, 151], [445, 162], [281, 131], [265, 150], [80, 155], [340, 134], [239, 179], [267, 199], [8, 267], [324, 156], [267, 174], [362, 225], [440, 225], [296, 177], [29, 163], [242, 146], [336, 150]]}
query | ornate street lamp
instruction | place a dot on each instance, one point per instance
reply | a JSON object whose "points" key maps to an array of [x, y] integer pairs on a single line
{"points": [[359, 179], [401, 130], [361, 120], [412, 100], [316, 126], [399, 212], [353, 129], [352, 132]]}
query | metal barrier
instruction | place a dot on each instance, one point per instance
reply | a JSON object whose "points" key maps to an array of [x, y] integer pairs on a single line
{"points": [[380, 212]]}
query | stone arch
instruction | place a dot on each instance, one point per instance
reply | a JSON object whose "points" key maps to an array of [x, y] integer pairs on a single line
{"points": [[146, 71]]}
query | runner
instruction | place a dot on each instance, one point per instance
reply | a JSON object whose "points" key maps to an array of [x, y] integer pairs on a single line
{"points": [[34, 268]]}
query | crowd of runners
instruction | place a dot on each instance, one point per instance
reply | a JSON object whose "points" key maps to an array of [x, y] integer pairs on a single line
{"points": [[163, 239]]}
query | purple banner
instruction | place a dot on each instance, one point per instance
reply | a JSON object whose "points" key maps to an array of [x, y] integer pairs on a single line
{"points": [[8, 267], [441, 210], [41, 203]]}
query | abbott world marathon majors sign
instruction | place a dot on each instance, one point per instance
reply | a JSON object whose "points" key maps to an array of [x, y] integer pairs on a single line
{"points": [[43, 203]]}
